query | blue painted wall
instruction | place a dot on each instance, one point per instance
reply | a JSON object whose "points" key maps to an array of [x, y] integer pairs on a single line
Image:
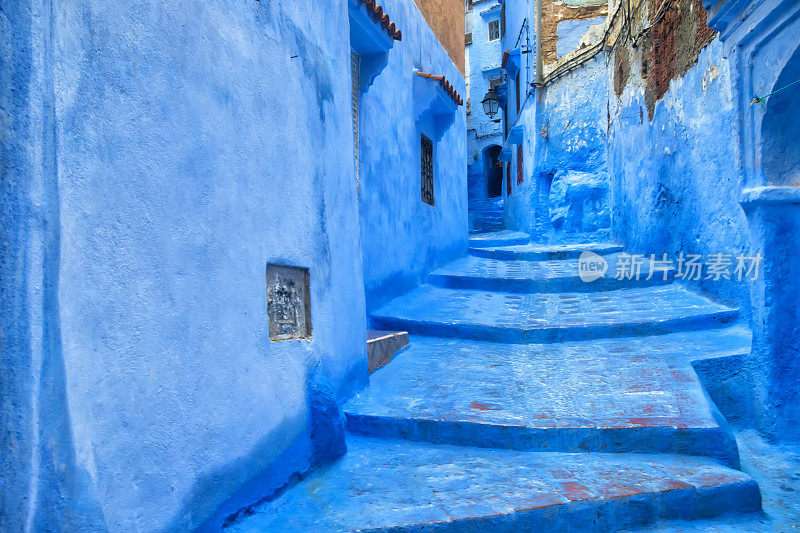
{"points": [[565, 129], [402, 237], [677, 173], [676, 181], [573, 33], [484, 59], [518, 212], [155, 158], [763, 51]]}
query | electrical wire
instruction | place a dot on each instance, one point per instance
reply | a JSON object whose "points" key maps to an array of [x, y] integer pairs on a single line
{"points": [[759, 99]]}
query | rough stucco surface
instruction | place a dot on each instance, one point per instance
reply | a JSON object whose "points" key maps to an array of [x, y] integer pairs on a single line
{"points": [[679, 169], [446, 18], [566, 130], [145, 187], [664, 122], [402, 237], [555, 12], [673, 46], [485, 57]]}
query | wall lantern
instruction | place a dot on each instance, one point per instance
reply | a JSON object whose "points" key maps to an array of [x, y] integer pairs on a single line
{"points": [[491, 103]]}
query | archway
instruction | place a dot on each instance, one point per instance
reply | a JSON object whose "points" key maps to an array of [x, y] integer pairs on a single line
{"points": [[492, 171], [780, 128]]}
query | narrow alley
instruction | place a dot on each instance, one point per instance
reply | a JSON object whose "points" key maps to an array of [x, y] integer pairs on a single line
{"points": [[323, 266]]}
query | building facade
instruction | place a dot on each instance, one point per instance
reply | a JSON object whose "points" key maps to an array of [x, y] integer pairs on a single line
{"points": [[627, 111], [199, 204], [485, 171]]}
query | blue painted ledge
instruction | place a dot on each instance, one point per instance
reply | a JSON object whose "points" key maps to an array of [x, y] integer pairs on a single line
{"points": [[770, 195]]}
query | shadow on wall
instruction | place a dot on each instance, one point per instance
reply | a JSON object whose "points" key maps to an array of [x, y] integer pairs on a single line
{"points": [[775, 229], [780, 130], [492, 171], [324, 443]]}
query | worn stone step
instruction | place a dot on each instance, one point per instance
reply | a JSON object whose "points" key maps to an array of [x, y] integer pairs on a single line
{"points": [[543, 252], [498, 238], [480, 227], [541, 276], [549, 317], [486, 208], [393, 485], [609, 395], [753, 522], [484, 217]]}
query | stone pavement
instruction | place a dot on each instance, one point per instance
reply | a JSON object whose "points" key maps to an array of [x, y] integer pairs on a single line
{"points": [[384, 484], [531, 400]]}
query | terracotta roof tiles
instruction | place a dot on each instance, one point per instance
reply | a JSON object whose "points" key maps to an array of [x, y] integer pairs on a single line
{"points": [[377, 12], [446, 85]]}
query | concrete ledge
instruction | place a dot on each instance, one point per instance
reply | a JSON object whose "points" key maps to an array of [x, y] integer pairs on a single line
{"points": [[542, 251], [383, 345], [770, 195]]}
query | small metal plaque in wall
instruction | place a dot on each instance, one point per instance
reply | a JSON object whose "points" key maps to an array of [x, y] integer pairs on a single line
{"points": [[288, 302]]}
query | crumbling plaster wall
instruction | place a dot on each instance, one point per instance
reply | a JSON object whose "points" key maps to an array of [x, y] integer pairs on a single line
{"points": [[672, 152], [555, 12]]}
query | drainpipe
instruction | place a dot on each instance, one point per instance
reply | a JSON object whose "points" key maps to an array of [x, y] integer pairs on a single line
{"points": [[537, 28]]}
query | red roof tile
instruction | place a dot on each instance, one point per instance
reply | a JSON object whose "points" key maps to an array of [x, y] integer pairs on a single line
{"points": [[446, 85], [377, 12]]}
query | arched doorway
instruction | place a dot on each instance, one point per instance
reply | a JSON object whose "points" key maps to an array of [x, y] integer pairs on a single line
{"points": [[492, 171], [780, 128]]}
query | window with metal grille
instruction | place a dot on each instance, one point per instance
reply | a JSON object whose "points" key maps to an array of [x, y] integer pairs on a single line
{"points": [[494, 30], [427, 169], [468, 39], [520, 168], [355, 68]]}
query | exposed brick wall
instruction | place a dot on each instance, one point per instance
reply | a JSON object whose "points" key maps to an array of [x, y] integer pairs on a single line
{"points": [[668, 50], [555, 11], [446, 19]]}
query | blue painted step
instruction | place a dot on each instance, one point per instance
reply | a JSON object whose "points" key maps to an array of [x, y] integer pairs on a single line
{"points": [[610, 395], [542, 252], [480, 226], [389, 485], [537, 276], [498, 238], [548, 317], [737, 522]]}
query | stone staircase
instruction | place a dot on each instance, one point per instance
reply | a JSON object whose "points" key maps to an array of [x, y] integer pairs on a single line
{"points": [[531, 400], [486, 215]]}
